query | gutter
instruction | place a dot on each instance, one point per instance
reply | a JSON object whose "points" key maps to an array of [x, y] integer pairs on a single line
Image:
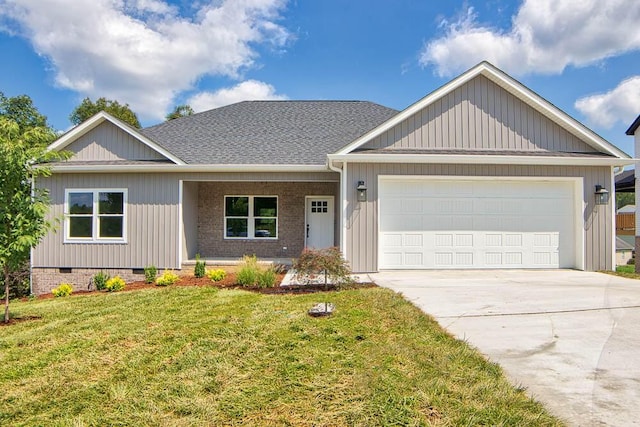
{"points": [[482, 160], [110, 168]]}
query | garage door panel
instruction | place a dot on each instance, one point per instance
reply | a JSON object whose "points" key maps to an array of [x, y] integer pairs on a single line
{"points": [[478, 226]]}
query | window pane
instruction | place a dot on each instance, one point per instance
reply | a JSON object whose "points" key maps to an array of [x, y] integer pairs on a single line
{"points": [[80, 226], [111, 203], [81, 203], [236, 206], [111, 226], [237, 227], [265, 228], [265, 206]]}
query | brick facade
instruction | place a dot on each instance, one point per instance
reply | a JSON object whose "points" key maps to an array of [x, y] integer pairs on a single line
{"points": [[45, 279], [291, 217]]}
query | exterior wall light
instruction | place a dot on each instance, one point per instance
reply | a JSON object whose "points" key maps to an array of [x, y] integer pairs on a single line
{"points": [[602, 195], [362, 191]]}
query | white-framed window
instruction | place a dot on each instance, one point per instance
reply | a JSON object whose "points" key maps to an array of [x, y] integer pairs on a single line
{"points": [[250, 217], [95, 215]]}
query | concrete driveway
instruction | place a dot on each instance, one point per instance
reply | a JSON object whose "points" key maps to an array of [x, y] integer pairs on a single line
{"points": [[572, 338]]}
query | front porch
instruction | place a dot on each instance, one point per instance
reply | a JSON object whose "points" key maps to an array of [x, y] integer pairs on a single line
{"points": [[224, 220]]}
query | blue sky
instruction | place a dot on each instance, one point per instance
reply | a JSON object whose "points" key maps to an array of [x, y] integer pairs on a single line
{"points": [[584, 57]]}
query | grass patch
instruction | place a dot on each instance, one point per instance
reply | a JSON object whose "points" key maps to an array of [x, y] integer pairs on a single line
{"points": [[628, 271], [203, 356]]}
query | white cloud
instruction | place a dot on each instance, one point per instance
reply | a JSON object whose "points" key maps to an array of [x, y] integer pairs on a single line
{"points": [[620, 104], [250, 90], [545, 37], [143, 52]]}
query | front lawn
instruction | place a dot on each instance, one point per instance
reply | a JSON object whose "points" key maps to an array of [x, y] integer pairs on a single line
{"points": [[203, 356]]}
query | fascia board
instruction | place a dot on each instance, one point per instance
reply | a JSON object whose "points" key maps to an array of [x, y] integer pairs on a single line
{"points": [[481, 160], [71, 168]]}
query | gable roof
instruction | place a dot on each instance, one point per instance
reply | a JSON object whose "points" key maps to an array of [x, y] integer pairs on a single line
{"points": [[100, 118], [510, 85], [268, 132], [634, 126]]}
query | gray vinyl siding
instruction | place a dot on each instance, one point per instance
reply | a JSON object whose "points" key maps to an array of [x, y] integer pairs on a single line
{"points": [[479, 115], [362, 218], [154, 231], [151, 222], [108, 142], [189, 220]]}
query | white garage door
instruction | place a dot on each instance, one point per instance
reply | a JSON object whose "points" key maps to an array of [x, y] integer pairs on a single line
{"points": [[427, 223]]}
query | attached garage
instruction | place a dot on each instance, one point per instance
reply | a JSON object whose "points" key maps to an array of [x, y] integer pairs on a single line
{"points": [[471, 222]]}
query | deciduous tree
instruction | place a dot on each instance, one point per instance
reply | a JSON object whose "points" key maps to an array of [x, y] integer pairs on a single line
{"points": [[23, 206], [88, 108], [180, 111]]}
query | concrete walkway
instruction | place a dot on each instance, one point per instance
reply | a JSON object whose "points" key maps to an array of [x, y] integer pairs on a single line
{"points": [[571, 338]]}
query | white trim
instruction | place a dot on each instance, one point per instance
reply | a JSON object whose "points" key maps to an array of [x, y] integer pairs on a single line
{"points": [[95, 238], [306, 215], [99, 118], [482, 160], [181, 235], [512, 86], [579, 203], [612, 207], [345, 212], [69, 167], [250, 218]]}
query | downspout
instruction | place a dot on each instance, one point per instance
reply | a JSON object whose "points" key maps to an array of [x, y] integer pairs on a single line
{"points": [[615, 171], [33, 192], [343, 207]]}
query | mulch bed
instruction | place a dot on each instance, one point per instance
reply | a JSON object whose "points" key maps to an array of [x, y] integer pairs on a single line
{"points": [[229, 282]]}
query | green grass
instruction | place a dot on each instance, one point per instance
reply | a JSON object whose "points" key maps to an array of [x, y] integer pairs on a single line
{"points": [[183, 356], [628, 271]]}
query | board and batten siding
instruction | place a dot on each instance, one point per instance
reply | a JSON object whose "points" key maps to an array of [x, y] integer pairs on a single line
{"points": [[108, 142], [479, 115], [362, 217], [154, 231], [151, 223]]}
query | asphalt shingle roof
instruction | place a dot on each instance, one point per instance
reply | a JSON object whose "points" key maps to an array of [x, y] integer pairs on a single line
{"points": [[268, 132]]}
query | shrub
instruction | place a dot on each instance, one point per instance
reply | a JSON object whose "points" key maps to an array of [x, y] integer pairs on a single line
{"points": [[266, 278], [114, 284], [150, 274], [63, 290], [326, 264], [100, 280], [167, 278], [216, 275], [248, 273], [18, 282], [200, 269]]}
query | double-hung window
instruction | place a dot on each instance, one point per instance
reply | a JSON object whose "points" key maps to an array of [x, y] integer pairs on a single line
{"points": [[95, 215], [251, 217]]}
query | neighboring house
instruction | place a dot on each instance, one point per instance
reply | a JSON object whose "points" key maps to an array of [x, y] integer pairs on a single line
{"points": [[633, 131], [627, 209], [624, 251], [481, 173]]}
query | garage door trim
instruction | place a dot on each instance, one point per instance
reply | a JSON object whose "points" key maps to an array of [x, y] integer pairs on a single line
{"points": [[578, 191]]}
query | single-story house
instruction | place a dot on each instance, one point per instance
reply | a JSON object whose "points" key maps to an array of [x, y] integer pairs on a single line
{"points": [[480, 173]]}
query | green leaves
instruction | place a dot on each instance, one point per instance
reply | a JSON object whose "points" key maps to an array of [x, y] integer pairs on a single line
{"points": [[88, 108]]}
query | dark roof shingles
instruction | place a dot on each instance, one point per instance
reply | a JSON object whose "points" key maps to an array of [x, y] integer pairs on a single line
{"points": [[268, 132]]}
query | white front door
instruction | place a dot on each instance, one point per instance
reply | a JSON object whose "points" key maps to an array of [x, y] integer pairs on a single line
{"points": [[319, 222]]}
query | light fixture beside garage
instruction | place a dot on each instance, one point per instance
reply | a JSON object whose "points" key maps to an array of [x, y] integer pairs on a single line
{"points": [[602, 195], [362, 191]]}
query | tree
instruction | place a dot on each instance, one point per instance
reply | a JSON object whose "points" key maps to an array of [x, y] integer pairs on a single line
{"points": [[21, 110], [624, 199], [180, 111], [23, 206], [88, 108]]}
